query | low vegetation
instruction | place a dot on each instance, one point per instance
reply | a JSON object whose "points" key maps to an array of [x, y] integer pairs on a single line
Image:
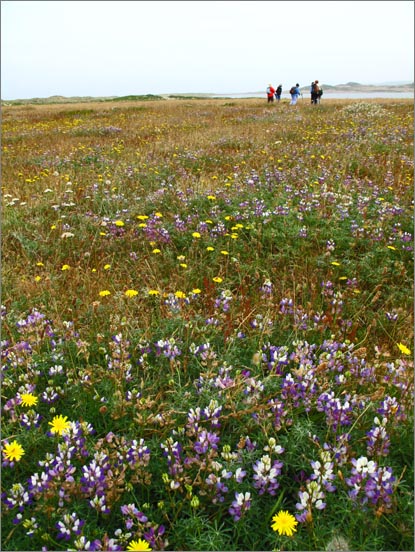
{"points": [[207, 326]]}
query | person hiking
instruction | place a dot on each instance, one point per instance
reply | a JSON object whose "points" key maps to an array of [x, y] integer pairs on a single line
{"points": [[270, 93], [315, 92], [278, 92], [311, 91], [295, 94]]}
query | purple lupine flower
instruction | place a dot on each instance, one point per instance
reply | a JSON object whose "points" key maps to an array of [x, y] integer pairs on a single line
{"points": [[313, 496], [167, 348], [266, 288], [138, 454], [340, 451], [18, 498], [276, 358], [265, 475], [370, 483], [30, 419], [240, 505], [154, 537], [206, 441], [172, 450], [323, 471], [224, 300], [378, 440], [212, 413], [220, 488], [70, 525], [82, 544], [390, 408], [338, 412]]}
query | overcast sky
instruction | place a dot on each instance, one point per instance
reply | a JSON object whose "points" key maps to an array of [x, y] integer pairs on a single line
{"points": [[115, 48]]}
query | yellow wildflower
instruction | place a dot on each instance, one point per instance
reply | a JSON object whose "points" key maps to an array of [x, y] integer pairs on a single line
{"points": [[139, 545], [28, 399], [285, 523], [59, 424], [131, 293], [13, 451], [404, 349]]}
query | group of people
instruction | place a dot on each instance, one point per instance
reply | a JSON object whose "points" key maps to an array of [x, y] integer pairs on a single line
{"points": [[315, 91], [271, 92]]}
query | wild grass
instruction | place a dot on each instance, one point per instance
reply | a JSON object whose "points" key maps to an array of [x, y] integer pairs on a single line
{"points": [[217, 297]]}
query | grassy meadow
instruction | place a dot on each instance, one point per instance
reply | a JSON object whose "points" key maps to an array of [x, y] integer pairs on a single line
{"points": [[207, 325]]}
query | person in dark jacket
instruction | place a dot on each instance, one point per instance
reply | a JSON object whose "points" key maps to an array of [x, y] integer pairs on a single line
{"points": [[278, 92], [315, 92]]}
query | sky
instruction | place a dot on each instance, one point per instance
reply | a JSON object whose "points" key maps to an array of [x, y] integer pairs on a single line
{"points": [[116, 48]]}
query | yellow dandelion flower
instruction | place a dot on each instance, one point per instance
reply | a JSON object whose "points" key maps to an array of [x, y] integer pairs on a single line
{"points": [[158, 215], [104, 293], [183, 265], [156, 251], [209, 248], [196, 291], [196, 235], [40, 264], [285, 523], [119, 223], [131, 293], [335, 263], [211, 197], [224, 252], [13, 451], [142, 217], [59, 424], [391, 247], [181, 258], [217, 279], [180, 294], [139, 544], [65, 267], [37, 278], [28, 399], [153, 292], [404, 349], [107, 267], [142, 225]]}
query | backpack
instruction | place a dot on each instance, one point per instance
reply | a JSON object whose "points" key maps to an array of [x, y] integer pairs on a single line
{"points": [[268, 90], [292, 90], [320, 92]]}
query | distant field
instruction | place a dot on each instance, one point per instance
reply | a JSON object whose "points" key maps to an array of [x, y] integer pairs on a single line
{"points": [[350, 88], [207, 325]]}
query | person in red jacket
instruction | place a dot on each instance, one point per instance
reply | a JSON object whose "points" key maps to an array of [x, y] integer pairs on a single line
{"points": [[270, 93]]}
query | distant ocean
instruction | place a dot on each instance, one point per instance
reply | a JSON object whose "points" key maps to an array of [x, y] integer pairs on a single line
{"points": [[334, 95]]}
